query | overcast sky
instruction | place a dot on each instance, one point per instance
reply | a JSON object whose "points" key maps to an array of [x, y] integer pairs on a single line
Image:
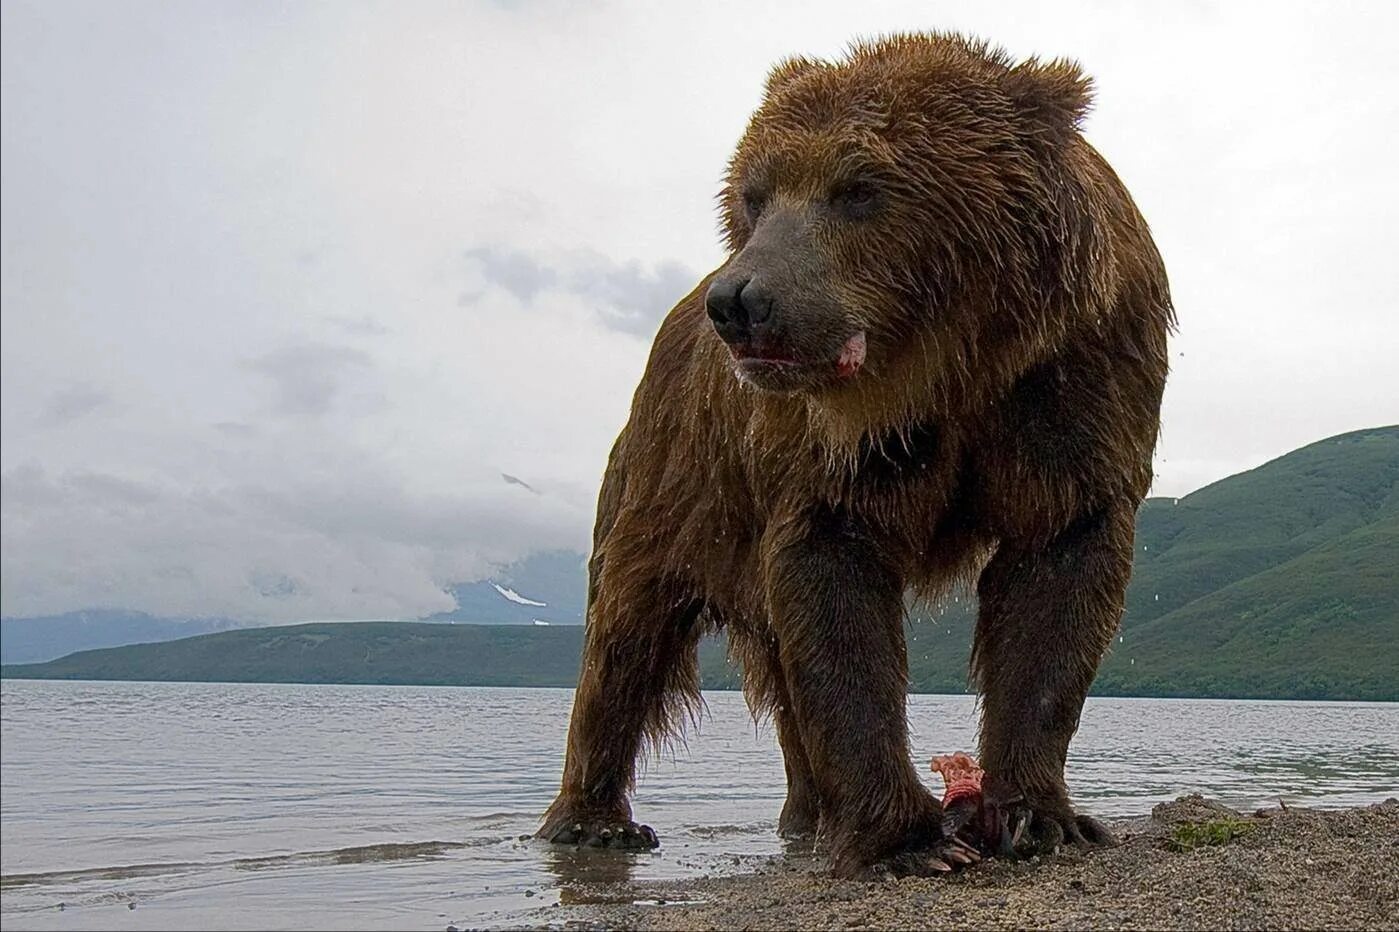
{"points": [[312, 309]]}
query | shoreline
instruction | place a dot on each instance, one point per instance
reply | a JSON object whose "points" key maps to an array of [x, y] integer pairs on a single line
{"points": [[1191, 864], [8, 676]]}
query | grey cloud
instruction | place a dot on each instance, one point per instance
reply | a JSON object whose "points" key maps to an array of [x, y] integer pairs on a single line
{"points": [[270, 584], [517, 272], [112, 491], [631, 298], [627, 296], [365, 326], [369, 547], [306, 379], [73, 402], [235, 429]]}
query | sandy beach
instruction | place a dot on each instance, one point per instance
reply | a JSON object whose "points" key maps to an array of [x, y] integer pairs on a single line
{"points": [[1192, 864]]}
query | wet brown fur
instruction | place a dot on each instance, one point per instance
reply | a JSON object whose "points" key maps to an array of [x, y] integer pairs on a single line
{"points": [[1000, 432]]}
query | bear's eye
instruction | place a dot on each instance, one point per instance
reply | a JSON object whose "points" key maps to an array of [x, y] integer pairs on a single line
{"points": [[856, 199], [753, 204]]}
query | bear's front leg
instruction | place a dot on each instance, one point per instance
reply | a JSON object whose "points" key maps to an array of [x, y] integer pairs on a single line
{"points": [[836, 604], [639, 675], [1047, 615]]}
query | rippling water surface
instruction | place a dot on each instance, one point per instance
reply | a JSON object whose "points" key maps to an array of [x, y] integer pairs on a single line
{"points": [[171, 805]]}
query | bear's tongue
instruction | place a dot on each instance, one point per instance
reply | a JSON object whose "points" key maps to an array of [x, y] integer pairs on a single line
{"points": [[852, 356]]}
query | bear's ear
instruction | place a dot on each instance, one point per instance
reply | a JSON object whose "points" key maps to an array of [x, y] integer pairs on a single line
{"points": [[788, 70], [1055, 95]]}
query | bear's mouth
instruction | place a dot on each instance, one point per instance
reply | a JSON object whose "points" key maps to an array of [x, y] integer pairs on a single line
{"points": [[778, 368]]}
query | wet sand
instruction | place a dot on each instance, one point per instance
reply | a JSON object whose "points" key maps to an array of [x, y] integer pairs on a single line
{"points": [[1287, 869]]}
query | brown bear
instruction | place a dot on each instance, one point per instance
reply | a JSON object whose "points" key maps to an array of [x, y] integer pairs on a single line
{"points": [[935, 355]]}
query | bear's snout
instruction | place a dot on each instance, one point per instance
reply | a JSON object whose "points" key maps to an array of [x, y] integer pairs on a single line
{"points": [[740, 307]]}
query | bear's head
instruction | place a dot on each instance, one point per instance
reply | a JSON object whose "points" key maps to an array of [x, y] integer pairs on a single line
{"points": [[913, 191]]}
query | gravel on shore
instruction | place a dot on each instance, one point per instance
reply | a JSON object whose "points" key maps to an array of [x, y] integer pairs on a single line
{"points": [[1282, 869]]}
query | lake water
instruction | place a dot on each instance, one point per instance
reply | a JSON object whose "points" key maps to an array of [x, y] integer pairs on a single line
{"points": [[177, 805]]}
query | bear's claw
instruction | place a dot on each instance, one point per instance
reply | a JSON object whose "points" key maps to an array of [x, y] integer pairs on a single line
{"points": [[943, 857], [623, 836], [1021, 830]]}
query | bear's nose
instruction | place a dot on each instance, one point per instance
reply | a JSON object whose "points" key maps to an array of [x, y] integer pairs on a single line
{"points": [[737, 306]]}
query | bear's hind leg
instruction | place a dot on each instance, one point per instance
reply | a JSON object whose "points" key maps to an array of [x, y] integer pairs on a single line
{"points": [[765, 687], [801, 813]]}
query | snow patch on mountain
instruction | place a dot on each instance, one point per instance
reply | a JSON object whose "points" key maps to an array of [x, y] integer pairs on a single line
{"points": [[515, 597]]}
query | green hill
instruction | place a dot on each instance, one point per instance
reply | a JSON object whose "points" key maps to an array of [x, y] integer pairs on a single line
{"points": [[1280, 582], [1252, 522], [385, 652], [367, 652], [1321, 625]]}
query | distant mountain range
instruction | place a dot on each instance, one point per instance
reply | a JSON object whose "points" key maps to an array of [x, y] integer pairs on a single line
{"points": [[1280, 582], [547, 588], [33, 640]]}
